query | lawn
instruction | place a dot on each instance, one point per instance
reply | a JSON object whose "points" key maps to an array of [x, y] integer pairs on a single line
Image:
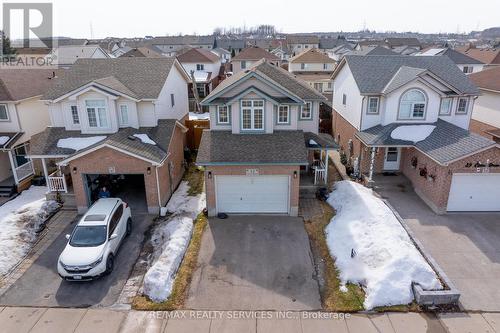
{"points": [[331, 297]]}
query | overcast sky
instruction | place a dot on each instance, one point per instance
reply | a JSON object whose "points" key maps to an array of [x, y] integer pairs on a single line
{"points": [[102, 18]]}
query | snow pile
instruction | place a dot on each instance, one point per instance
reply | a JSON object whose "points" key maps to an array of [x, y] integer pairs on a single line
{"points": [[3, 140], [414, 133], [160, 277], [170, 240], [386, 262], [79, 143], [199, 116], [20, 218], [312, 143], [145, 139]]}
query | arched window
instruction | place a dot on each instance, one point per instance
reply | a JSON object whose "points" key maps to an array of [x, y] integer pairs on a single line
{"points": [[412, 105]]}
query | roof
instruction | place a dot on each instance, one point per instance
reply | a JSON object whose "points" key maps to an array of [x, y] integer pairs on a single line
{"points": [[143, 77], [373, 50], [224, 147], [330, 43], [302, 39], [445, 144], [196, 55], [45, 143], [229, 43], [254, 53], [487, 79], [313, 76], [279, 75], [12, 138], [486, 56], [183, 40], [373, 73], [320, 140], [142, 52], [70, 53], [311, 56], [22, 83], [399, 41], [403, 76], [455, 56]]}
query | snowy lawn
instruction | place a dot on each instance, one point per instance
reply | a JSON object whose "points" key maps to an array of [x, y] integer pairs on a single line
{"points": [[20, 218], [170, 240], [385, 260], [199, 116]]}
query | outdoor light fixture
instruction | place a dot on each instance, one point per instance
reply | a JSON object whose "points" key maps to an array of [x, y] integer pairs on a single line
{"points": [[210, 175], [74, 170], [149, 170], [295, 174]]}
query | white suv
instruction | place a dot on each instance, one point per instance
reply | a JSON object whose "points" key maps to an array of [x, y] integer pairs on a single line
{"points": [[95, 240]]}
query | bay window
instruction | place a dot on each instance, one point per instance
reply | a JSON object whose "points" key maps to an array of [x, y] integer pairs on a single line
{"points": [[252, 115], [412, 105], [123, 115], [96, 113], [74, 115], [4, 114], [373, 103]]}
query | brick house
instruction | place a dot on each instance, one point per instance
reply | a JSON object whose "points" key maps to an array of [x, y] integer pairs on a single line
{"points": [[410, 115], [486, 113], [263, 146], [116, 123]]}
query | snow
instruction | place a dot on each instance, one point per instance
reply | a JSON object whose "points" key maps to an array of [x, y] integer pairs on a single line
{"points": [[313, 143], [199, 116], [3, 140], [170, 239], [79, 143], [414, 133], [20, 218], [145, 139], [386, 261]]}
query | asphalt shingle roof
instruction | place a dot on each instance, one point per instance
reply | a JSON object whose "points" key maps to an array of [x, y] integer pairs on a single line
{"points": [[459, 58], [487, 79], [311, 56], [254, 53], [45, 143], [224, 147], [445, 144], [21, 83], [372, 73], [373, 50], [144, 77]]}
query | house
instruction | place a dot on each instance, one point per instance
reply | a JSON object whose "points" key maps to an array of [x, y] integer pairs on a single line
{"points": [[411, 115], [394, 42], [171, 45], [66, 56], [249, 56], [486, 113], [223, 54], [314, 67], [328, 44], [339, 51], [140, 52], [232, 44], [372, 50], [263, 145], [466, 63], [22, 115], [115, 123], [278, 47], [298, 43], [490, 57], [205, 69]]}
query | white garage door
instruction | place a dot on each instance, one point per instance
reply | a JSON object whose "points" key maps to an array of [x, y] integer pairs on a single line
{"points": [[474, 192], [252, 194]]}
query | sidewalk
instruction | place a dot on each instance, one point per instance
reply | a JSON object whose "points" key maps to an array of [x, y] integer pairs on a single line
{"points": [[16, 319]]}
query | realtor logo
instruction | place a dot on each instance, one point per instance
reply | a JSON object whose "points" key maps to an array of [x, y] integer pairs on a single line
{"points": [[28, 24]]}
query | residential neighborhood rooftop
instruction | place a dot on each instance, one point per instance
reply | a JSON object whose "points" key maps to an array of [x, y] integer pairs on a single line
{"points": [[255, 53], [21, 83], [488, 79], [311, 56], [197, 55]]}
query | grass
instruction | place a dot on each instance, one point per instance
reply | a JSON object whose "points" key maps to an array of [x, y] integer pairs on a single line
{"points": [[195, 178], [331, 297], [183, 277]]}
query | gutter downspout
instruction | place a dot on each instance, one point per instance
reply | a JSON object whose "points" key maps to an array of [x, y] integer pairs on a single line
{"points": [[158, 187], [372, 162]]}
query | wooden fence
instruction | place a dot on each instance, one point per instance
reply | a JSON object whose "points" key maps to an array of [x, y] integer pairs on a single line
{"points": [[196, 128]]}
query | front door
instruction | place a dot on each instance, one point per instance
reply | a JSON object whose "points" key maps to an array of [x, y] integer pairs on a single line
{"points": [[392, 157]]}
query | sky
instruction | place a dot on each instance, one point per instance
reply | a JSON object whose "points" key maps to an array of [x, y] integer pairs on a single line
{"points": [[105, 18]]}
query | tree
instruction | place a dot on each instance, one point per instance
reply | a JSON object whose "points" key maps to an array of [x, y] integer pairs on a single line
{"points": [[7, 50], [233, 53]]}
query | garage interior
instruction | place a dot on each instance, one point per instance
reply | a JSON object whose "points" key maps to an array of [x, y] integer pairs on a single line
{"points": [[129, 187]]}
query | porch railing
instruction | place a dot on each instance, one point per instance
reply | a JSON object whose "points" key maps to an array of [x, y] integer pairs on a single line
{"points": [[57, 182], [319, 171], [24, 170]]}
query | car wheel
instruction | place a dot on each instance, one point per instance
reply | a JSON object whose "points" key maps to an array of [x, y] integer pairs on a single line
{"points": [[129, 227], [110, 262]]}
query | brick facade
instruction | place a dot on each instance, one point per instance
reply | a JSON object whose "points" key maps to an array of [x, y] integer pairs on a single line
{"points": [[263, 170], [480, 128]]}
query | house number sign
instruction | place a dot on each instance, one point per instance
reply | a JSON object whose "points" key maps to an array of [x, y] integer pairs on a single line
{"points": [[111, 169], [252, 172]]}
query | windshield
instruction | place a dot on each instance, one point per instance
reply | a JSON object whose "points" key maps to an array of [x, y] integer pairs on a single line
{"points": [[88, 236]]}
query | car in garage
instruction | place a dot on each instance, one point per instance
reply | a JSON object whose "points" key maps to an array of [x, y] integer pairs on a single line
{"points": [[95, 241]]}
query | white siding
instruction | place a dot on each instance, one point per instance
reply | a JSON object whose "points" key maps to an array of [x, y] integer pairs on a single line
{"points": [[309, 67], [175, 84], [146, 112], [344, 83], [11, 125], [33, 117], [487, 108]]}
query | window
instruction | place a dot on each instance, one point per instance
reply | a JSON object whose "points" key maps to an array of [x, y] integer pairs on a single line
{"points": [[172, 100], [222, 115], [115, 219], [252, 115], [200, 67], [325, 66], [74, 114], [243, 64], [302, 66], [412, 105], [373, 105], [468, 69], [392, 154], [200, 87], [283, 114], [4, 114], [306, 111], [20, 157], [462, 105], [445, 107], [318, 87], [330, 86], [123, 114], [344, 99], [96, 112]]}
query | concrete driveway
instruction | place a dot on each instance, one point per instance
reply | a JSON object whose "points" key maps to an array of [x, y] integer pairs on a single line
{"points": [[41, 286], [466, 246], [254, 263]]}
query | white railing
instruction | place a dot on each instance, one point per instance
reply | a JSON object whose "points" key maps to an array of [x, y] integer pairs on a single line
{"points": [[319, 171], [24, 170], [57, 182]]}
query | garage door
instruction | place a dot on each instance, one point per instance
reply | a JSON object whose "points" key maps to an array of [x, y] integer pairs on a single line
{"points": [[474, 192], [252, 194]]}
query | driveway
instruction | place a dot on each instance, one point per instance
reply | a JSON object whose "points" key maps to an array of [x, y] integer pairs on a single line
{"points": [[41, 286], [465, 245], [254, 263]]}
